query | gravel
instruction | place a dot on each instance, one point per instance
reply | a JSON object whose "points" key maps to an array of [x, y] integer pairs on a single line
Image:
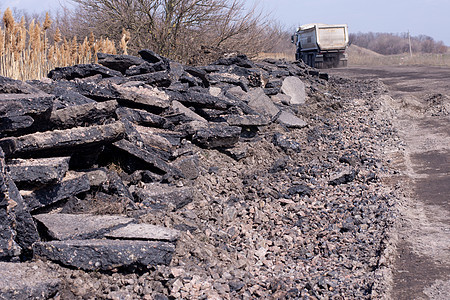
{"points": [[290, 212], [305, 214]]}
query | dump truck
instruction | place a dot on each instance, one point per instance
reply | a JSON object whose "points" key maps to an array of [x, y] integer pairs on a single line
{"points": [[322, 45]]}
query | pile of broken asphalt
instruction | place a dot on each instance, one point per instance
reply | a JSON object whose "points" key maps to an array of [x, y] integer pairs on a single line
{"points": [[141, 178]]}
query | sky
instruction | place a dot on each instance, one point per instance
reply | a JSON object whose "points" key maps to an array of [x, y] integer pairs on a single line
{"points": [[32, 6], [428, 17]]}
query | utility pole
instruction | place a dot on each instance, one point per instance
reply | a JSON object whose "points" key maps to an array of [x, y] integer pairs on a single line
{"points": [[410, 48]]}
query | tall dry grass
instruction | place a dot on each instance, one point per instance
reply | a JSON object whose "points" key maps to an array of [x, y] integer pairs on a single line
{"points": [[276, 55], [25, 51]]}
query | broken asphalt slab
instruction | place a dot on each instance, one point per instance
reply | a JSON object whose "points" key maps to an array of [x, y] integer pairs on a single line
{"points": [[295, 88], [79, 226], [27, 281], [63, 139], [72, 184], [105, 255], [144, 232], [37, 172], [158, 195]]}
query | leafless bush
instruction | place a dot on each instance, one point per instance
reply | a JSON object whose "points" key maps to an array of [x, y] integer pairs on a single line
{"points": [[179, 29], [389, 43]]}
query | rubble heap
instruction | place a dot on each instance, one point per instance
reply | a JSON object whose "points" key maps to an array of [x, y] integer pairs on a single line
{"points": [[228, 180]]}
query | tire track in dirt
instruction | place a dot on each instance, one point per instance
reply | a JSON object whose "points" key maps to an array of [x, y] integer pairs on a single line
{"points": [[421, 268]]}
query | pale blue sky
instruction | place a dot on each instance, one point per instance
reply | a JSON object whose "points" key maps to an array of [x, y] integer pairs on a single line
{"points": [[429, 17]]}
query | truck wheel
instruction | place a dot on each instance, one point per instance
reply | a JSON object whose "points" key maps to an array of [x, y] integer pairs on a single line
{"points": [[305, 58], [336, 63]]}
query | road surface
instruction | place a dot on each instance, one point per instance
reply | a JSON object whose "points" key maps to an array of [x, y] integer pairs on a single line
{"points": [[421, 99]]}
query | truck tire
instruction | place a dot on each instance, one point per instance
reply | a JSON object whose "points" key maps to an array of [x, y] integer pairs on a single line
{"points": [[336, 62], [305, 58]]}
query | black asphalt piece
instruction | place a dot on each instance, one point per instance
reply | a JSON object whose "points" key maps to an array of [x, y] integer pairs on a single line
{"points": [[105, 254]]}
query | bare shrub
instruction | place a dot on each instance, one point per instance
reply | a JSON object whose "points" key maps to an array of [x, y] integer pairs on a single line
{"points": [[181, 29]]}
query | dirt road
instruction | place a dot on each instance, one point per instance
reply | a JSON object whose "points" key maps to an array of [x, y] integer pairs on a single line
{"points": [[420, 98]]}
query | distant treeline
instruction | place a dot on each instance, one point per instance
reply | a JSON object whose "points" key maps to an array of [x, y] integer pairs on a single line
{"points": [[389, 43]]}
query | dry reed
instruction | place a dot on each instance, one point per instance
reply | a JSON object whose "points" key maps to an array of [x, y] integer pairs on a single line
{"points": [[25, 53]]}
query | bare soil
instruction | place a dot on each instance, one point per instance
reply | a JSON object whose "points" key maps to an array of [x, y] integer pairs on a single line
{"points": [[419, 98]]}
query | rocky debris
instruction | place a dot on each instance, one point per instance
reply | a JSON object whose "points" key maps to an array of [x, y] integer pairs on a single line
{"points": [[247, 120], [342, 177], [97, 177], [8, 244], [290, 120], [152, 57], [64, 97], [38, 172], [238, 152], [285, 143], [145, 155], [18, 231], [141, 117], [281, 99], [147, 97], [81, 71], [28, 281], [294, 88], [437, 104], [59, 140], [238, 60], [261, 103], [19, 112], [93, 89], [13, 105], [229, 180], [105, 254], [84, 114], [15, 123], [10, 86], [199, 99], [159, 196], [78, 226], [72, 184], [120, 63], [299, 189], [215, 136], [144, 232], [178, 107], [188, 166]]}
